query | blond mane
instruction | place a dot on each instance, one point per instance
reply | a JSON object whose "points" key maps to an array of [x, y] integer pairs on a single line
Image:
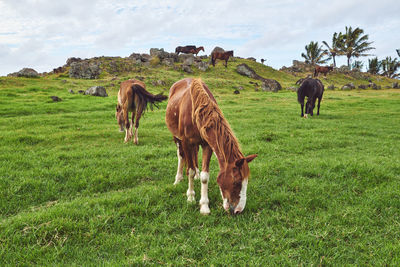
{"points": [[212, 125]]}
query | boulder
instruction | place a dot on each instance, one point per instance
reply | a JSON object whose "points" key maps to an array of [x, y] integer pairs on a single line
{"points": [[395, 85], [266, 85], [270, 85], [160, 53], [84, 70], [362, 86], [348, 86], [168, 62], [236, 92], [72, 60], [252, 59], [203, 66], [55, 98], [25, 72], [331, 87], [186, 68], [96, 91], [71, 91]]}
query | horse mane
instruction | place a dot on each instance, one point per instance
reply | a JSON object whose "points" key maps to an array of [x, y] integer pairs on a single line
{"points": [[212, 125]]}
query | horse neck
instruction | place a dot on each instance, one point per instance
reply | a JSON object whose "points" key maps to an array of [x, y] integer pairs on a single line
{"points": [[224, 145]]}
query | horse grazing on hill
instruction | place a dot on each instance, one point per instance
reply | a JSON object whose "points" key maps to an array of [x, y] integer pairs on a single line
{"points": [[132, 96], [197, 50], [313, 89], [189, 49], [194, 118], [221, 55], [322, 69]]}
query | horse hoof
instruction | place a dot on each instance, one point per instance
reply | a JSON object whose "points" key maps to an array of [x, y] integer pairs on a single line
{"points": [[205, 210]]}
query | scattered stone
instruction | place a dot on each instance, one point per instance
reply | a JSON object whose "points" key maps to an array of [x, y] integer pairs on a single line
{"points": [[160, 53], [25, 72], [266, 85], [168, 62], [362, 86], [240, 88], [84, 70], [71, 91], [203, 66], [55, 98], [158, 83], [81, 92], [186, 68], [236, 92], [96, 91], [140, 78], [331, 87], [348, 86], [395, 85], [252, 59]]}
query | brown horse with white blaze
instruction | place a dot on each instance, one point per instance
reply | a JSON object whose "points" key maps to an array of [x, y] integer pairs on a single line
{"points": [[132, 96], [194, 119]]}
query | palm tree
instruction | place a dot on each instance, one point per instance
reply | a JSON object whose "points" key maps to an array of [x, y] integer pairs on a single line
{"points": [[390, 67], [314, 54], [355, 44], [374, 65], [334, 50], [357, 64]]}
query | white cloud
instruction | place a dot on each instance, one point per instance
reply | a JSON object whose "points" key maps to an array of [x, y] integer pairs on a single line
{"points": [[42, 33]]}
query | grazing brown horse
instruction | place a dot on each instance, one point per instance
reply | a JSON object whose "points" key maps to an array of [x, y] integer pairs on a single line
{"points": [[194, 119], [221, 55], [132, 96], [322, 69], [185, 49], [197, 50], [313, 89]]}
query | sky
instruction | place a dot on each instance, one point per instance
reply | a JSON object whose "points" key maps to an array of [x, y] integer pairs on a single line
{"points": [[43, 34]]}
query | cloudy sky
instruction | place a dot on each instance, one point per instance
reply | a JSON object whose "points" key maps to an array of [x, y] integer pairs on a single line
{"points": [[43, 34]]}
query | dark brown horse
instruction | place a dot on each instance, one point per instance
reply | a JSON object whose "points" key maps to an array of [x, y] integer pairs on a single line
{"points": [[322, 69], [194, 119], [132, 96], [221, 55], [313, 89], [197, 50]]}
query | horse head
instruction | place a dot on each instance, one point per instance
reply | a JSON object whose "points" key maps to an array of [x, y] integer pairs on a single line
{"points": [[201, 48], [310, 105], [232, 181], [120, 118]]}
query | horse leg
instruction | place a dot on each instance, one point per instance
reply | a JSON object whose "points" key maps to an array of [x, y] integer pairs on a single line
{"points": [[319, 102], [226, 63], [128, 131], [188, 150], [139, 111], [204, 177], [196, 160], [302, 108], [181, 158]]}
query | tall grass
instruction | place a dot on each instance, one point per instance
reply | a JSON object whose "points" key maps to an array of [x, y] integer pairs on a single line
{"points": [[323, 190]]}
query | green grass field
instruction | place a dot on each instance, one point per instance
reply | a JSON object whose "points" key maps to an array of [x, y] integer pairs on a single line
{"points": [[323, 190]]}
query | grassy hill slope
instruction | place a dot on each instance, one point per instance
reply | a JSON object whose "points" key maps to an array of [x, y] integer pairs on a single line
{"points": [[323, 190]]}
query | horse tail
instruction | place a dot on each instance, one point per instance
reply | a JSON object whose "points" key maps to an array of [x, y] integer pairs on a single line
{"points": [[300, 93], [146, 97]]}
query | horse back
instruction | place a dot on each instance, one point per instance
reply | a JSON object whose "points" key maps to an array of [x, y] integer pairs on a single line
{"points": [[126, 93], [178, 116]]}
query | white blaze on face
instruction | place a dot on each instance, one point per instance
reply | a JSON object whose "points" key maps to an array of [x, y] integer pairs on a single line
{"points": [[225, 203], [242, 200]]}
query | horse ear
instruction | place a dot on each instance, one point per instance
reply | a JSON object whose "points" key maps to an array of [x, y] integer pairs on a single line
{"points": [[239, 162], [250, 157]]}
